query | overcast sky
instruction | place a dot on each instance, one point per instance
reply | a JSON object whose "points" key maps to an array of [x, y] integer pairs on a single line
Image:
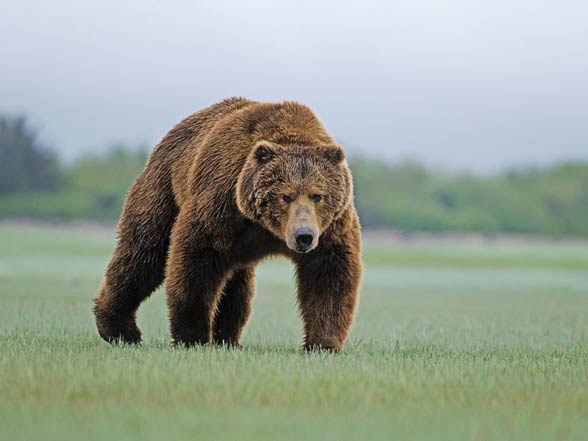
{"points": [[462, 84]]}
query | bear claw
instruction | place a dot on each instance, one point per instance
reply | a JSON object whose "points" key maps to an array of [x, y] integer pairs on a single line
{"points": [[119, 330]]}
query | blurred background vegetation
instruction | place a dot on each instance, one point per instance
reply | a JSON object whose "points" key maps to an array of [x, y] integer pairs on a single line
{"points": [[404, 196]]}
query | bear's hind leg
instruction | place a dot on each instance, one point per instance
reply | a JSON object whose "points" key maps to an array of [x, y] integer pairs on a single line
{"points": [[234, 307], [138, 264]]}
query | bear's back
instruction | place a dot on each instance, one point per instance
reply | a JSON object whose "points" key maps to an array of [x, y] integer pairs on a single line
{"points": [[207, 149], [180, 146]]}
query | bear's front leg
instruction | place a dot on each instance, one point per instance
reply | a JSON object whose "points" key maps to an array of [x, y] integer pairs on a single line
{"points": [[328, 285], [195, 275]]}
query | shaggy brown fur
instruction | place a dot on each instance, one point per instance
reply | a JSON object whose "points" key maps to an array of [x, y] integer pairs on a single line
{"points": [[228, 186]]}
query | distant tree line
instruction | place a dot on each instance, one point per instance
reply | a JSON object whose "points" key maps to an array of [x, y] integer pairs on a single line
{"points": [[406, 196], [34, 184], [549, 201]]}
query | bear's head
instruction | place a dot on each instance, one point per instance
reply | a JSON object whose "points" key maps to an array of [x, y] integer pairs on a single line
{"points": [[294, 191]]}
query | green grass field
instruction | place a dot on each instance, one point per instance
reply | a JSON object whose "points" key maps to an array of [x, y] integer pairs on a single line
{"points": [[454, 340]]}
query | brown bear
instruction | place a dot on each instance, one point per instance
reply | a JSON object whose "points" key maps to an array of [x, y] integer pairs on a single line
{"points": [[225, 188]]}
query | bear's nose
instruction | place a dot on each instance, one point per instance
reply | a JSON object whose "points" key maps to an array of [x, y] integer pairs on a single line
{"points": [[304, 237]]}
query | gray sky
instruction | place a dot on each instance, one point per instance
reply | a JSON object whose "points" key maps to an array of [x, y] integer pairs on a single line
{"points": [[462, 84]]}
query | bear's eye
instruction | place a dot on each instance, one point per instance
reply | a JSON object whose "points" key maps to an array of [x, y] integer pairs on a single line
{"points": [[316, 198], [287, 199]]}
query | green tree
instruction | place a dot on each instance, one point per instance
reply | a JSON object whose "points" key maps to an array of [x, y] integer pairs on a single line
{"points": [[25, 164]]}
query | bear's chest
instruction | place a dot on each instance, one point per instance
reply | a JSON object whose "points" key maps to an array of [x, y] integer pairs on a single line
{"points": [[254, 243]]}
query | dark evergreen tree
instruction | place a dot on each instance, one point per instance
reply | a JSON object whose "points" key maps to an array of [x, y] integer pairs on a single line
{"points": [[25, 164]]}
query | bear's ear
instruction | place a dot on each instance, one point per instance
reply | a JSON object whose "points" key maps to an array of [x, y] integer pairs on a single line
{"points": [[333, 154], [264, 152]]}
